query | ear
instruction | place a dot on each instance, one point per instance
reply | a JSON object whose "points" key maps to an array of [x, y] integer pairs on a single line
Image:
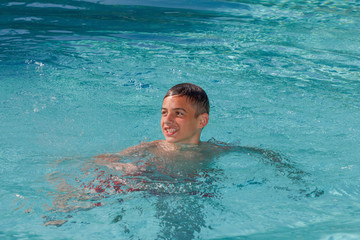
{"points": [[203, 120]]}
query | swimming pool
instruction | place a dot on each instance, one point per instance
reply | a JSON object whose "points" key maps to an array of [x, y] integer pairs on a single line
{"points": [[83, 78]]}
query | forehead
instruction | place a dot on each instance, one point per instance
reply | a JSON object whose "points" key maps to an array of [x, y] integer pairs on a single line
{"points": [[178, 102]]}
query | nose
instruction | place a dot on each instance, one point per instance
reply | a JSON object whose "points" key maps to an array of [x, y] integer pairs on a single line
{"points": [[169, 118]]}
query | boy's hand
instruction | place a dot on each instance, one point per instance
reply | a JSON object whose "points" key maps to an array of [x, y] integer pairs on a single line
{"points": [[112, 161], [128, 168]]}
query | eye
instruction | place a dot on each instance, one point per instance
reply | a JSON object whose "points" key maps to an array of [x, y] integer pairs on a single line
{"points": [[163, 112], [180, 114]]}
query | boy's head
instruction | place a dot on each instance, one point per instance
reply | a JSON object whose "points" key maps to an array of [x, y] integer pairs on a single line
{"points": [[195, 94], [185, 112]]}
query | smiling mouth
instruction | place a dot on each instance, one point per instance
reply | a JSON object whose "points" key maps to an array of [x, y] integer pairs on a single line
{"points": [[170, 131]]}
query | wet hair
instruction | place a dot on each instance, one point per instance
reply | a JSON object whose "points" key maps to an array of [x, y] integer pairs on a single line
{"points": [[194, 93]]}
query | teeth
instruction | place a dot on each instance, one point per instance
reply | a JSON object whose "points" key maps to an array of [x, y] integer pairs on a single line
{"points": [[170, 130]]}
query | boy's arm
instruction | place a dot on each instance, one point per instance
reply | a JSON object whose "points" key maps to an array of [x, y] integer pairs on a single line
{"points": [[112, 160], [106, 158], [272, 158]]}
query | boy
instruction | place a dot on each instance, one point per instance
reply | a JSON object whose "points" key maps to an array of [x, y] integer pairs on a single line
{"points": [[178, 158], [184, 113]]}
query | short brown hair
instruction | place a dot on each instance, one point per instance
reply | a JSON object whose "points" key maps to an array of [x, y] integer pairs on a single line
{"points": [[194, 93]]}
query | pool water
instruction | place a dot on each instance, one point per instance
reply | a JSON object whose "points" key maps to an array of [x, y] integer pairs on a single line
{"points": [[81, 78]]}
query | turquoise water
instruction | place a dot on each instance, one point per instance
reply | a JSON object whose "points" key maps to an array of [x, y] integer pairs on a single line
{"points": [[81, 78]]}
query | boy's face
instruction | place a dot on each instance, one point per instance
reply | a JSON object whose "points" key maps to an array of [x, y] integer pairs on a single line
{"points": [[178, 122]]}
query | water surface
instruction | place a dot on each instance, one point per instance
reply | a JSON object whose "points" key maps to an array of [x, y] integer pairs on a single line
{"points": [[81, 78]]}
